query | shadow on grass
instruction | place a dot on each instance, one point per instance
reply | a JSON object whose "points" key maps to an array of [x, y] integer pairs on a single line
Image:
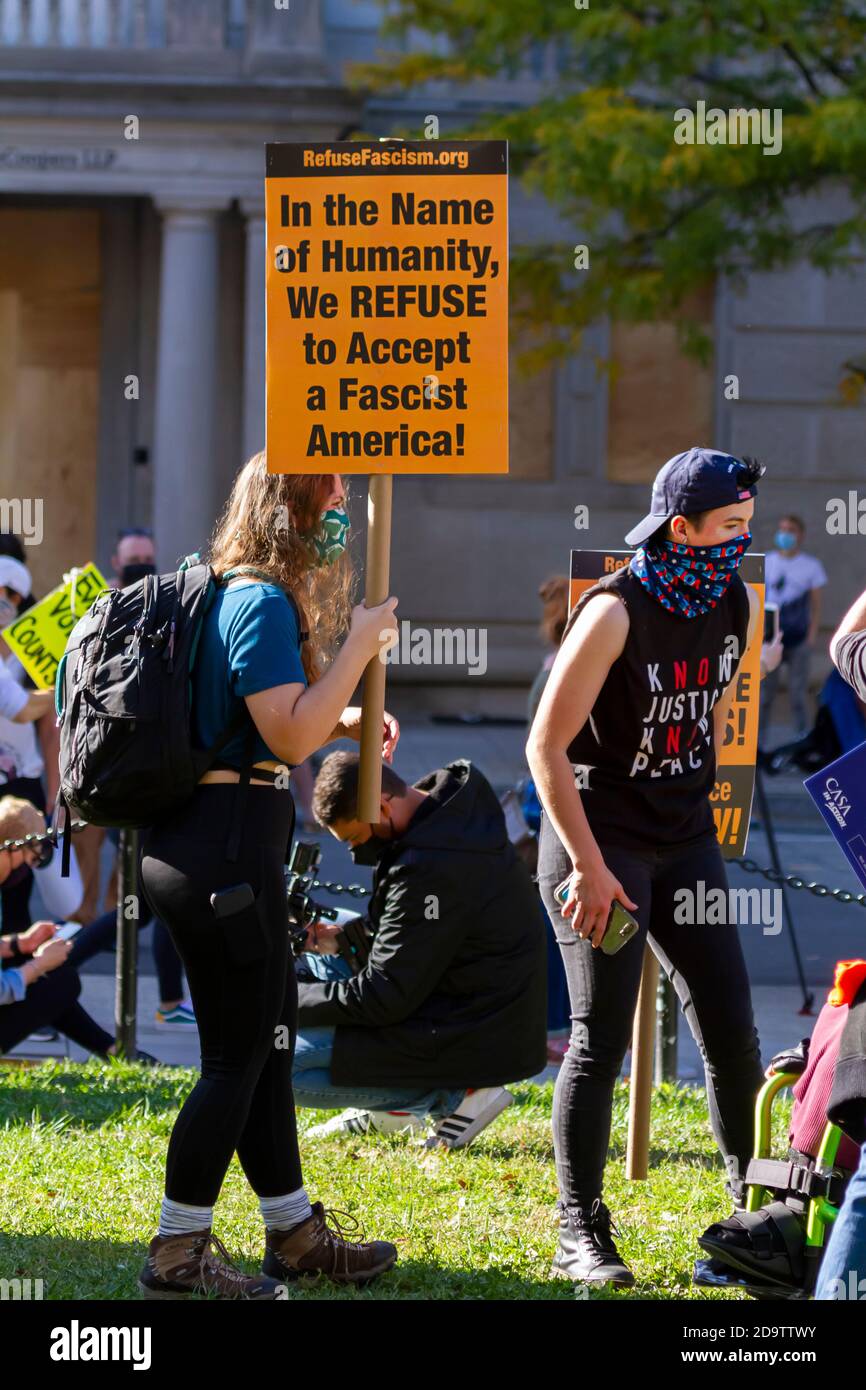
{"points": [[87, 1097], [94, 1270]]}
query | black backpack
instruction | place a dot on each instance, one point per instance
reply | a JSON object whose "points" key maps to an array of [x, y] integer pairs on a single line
{"points": [[122, 695]]}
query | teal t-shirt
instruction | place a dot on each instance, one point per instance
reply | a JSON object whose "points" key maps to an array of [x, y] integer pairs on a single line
{"points": [[248, 643]]}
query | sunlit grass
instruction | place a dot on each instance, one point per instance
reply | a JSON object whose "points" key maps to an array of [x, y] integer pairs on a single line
{"points": [[82, 1153]]}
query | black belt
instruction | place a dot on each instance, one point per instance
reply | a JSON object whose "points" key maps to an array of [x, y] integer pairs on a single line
{"points": [[260, 774]]}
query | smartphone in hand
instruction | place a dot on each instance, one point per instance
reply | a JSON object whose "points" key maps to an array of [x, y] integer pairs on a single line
{"points": [[66, 930], [621, 925]]}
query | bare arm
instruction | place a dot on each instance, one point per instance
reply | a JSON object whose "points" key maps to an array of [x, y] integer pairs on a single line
{"points": [[853, 621], [39, 703], [294, 720], [576, 677]]}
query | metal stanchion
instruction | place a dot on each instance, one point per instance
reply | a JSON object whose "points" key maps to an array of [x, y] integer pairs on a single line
{"points": [[126, 977], [667, 1020]]}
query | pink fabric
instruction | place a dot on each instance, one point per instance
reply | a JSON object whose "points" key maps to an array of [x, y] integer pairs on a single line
{"points": [[813, 1089]]}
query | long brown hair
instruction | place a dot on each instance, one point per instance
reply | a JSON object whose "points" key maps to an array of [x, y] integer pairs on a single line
{"points": [[267, 522], [554, 596]]}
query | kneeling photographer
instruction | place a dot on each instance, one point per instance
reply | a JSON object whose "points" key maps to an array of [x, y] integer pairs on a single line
{"points": [[439, 998]]}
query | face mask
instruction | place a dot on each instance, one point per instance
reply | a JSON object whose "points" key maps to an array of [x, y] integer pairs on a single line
{"points": [[329, 541], [785, 540], [130, 574], [368, 852], [689, 579], [8, 612]]}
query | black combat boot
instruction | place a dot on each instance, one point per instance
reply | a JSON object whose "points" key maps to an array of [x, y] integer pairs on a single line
{"points": [[586, 1251]]}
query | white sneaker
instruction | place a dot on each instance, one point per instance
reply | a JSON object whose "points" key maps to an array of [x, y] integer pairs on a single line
{"points": [[367, 1122], [476, 1111]]}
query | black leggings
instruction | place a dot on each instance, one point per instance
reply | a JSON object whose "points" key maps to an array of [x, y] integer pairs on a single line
{"points": [[52, 1001], [243, 989], [707, 968]]}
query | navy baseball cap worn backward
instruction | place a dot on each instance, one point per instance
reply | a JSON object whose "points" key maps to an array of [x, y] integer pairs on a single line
{"points": [[698, 480]]}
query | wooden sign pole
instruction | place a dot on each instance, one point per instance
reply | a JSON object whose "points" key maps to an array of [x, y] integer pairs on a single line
{"points": [[373, 700], [640, 1084]]}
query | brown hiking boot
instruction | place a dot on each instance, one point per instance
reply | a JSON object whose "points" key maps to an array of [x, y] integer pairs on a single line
{"points": [[316, 1248], [178, 1266]]}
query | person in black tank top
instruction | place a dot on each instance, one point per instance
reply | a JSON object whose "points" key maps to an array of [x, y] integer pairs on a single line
{"points": [[646, 753], [622, 751]]}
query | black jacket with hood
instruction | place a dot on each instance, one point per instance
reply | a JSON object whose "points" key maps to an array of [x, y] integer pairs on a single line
{"points": [[455, 990]]}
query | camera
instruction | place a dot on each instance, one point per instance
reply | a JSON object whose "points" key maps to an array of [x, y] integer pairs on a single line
{"points": [[353, 942]]}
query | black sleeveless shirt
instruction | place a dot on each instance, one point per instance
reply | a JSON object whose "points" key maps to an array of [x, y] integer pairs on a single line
{"points": [[645, 758]]}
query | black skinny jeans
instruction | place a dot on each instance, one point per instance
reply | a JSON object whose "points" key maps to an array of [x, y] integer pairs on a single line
{"points": [[243, 989], [707, 968]]}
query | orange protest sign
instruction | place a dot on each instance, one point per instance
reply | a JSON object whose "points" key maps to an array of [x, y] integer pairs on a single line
{"points": [[731, 797], [387, 307]]}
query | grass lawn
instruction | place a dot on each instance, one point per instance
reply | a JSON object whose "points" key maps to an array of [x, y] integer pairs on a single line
{"points": [[82, 1149]]}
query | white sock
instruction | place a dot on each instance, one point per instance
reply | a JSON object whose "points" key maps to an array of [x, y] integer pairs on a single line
{"points": [[175, 1218], [281, 1213]]}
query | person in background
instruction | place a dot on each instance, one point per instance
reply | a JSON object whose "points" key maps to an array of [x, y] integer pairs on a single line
{"points": [[793, 580], [449, 1004], [46, 724], [60, 897], [21, 762], [846, 1248], [27, 1001], [554, 598], [134, 556], [175, 1013]]}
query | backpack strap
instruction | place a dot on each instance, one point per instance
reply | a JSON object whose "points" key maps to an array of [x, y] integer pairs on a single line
{"points": [[63, 805]]}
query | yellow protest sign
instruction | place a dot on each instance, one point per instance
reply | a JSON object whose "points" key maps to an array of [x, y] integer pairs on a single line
{"points": [[38, 637]]}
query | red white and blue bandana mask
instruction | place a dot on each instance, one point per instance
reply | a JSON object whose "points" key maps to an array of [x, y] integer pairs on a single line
{"points": [[688, 580]]}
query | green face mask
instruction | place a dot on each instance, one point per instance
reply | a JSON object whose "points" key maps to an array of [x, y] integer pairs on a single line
{"points": [[329, 541]]}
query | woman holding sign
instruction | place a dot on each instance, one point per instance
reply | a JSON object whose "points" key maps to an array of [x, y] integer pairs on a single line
{"points": [[213, 872], [622, 751]]}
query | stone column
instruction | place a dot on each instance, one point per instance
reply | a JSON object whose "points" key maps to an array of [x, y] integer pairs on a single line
{"points": [[253, 423], [185, 499]]}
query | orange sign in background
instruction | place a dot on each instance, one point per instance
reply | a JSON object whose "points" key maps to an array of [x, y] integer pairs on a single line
{"points": [[387, 307], [731, 797]]}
